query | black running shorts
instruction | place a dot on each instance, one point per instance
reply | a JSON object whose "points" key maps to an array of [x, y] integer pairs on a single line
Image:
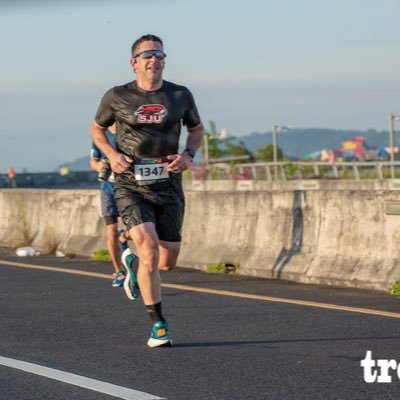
{"points": [[164, 207]]}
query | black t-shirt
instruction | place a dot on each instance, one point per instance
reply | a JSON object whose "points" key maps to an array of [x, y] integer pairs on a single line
{"points": [[148, 123]]}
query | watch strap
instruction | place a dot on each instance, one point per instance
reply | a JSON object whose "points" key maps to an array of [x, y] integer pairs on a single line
{"points": [[190, 151]]}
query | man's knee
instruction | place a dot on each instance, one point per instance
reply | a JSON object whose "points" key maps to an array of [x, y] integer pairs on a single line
{"points": [[148, 253]]}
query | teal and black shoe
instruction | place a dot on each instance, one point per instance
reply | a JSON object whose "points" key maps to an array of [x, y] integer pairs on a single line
{"points": [[131, 285], [159, 335]]}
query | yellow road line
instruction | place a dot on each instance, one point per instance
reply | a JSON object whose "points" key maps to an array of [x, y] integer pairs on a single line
{"points": [[217, 292], [286, 301], [55, 269]]}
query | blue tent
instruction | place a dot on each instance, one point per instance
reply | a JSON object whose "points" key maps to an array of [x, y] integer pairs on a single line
{"points": [[315, 154]]}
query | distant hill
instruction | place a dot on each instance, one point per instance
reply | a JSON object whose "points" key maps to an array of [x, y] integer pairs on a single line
{"points": [[80, 164], [298, 142], [294, 143]]}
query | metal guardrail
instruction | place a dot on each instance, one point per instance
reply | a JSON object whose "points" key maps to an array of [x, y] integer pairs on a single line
{"points": [[284, 170]]}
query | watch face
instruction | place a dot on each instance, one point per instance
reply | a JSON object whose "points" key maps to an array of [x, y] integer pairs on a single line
{"points": [[191, 152]]}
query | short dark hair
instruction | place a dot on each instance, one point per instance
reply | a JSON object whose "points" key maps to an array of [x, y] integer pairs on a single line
{"points": [[145, 38]]}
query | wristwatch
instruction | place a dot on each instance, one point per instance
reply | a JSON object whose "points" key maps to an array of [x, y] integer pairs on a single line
{"points": [[190, 151]]}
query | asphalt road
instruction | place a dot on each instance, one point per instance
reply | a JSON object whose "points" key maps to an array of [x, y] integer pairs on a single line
{"points": [[225, 347]]}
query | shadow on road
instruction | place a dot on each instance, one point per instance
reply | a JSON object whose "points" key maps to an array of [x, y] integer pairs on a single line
{"points": [[258, 342]]}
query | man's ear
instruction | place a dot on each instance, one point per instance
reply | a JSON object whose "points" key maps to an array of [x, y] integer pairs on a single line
{"points": [[133, 61]]}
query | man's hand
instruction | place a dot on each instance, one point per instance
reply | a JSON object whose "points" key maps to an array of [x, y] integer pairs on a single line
{"points": [[180, 162], [101, 165], [120, 162]]}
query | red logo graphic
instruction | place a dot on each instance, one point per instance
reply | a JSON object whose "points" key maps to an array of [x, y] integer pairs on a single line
{"points": [[151, 113]]}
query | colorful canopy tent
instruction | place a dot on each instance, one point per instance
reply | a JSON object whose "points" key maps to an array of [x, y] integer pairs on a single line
{"points": [[354, 149]]}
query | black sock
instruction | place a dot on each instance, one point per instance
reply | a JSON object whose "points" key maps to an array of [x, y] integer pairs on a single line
{"points": [[155, 312]]}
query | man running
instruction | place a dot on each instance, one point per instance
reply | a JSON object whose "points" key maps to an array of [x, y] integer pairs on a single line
{"points": [[149, 112], [98, 162]]}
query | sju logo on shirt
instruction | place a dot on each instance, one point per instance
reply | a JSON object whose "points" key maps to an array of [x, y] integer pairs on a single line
{"points": [[151, 113]]}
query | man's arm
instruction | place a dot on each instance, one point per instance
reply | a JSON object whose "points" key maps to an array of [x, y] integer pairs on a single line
{"points": [[93, 162], [181, 162], [119, 162], [195, 137]]}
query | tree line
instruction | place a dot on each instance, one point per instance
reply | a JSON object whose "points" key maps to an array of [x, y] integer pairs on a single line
{"points": [[221, 146]]}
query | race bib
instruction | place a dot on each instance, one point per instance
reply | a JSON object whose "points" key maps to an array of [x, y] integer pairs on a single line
{"points": [[150, 170]]}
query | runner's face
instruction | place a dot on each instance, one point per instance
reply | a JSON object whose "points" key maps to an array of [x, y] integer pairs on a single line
{"points": [[151, 69]]}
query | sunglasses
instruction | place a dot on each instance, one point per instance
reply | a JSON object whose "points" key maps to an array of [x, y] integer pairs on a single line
{"points": [[147, 54]]}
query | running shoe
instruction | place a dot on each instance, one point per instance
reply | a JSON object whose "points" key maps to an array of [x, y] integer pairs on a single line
{"points": [[119, 278], [159, 335], [131, 285]]}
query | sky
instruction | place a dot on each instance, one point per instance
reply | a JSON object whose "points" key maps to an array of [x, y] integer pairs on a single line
{"points": [[249, 64]]}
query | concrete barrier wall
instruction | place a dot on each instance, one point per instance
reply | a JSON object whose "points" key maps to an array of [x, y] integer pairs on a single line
{"points": [[346, 238], [67, 220]]}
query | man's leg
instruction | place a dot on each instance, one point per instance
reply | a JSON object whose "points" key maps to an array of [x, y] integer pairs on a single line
{"points": [[113, 245], [114, 250], [145, 239], [110, 215], [169, 252], [146, 243]]}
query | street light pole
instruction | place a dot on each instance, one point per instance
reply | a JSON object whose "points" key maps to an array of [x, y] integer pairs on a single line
{"points": [[392, 118], [275, 156], [275, 130]]}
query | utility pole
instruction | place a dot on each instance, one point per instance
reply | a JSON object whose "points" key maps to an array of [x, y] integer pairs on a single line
{"points": [[275, 130], [392, 118]]}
